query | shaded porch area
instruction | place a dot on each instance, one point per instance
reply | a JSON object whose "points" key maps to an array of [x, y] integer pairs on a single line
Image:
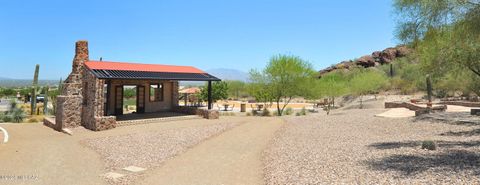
{"points": [[130, 119]]}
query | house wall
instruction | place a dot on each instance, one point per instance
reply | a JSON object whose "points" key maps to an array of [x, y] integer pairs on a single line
{"points": [[170, 93], [93, 104], [81, 101]]}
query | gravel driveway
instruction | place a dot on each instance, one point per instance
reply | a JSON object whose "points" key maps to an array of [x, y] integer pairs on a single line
{"points": [[150, 149], [354, 147]]}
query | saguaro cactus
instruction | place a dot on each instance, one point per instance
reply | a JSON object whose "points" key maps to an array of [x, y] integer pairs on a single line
{"points": [[429, 89], [391, 70], [45, 101], [33, 102]]}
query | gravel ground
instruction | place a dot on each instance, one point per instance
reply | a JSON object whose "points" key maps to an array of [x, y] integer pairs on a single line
{"points": [[354, 147], [151, 149]]}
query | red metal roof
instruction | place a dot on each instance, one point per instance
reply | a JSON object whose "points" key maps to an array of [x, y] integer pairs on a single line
{"points": [[123, 66]]}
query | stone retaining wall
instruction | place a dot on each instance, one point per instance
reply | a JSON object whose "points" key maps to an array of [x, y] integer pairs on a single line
{"points": [[419, 110], [208, 114], [409, 106], [461, 103]]}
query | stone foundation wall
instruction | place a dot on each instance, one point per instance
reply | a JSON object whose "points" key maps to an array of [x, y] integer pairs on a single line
{"points": [[104, 123]]}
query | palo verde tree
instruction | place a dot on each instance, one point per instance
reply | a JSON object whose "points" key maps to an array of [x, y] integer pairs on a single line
{"points": [[219, 91], [259, 89], [236, 88], [331, 85], [444, 33], [366, 81], [286, 77]]}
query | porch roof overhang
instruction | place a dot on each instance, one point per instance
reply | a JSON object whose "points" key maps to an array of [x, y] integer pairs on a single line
{"points": [[133, 71]]}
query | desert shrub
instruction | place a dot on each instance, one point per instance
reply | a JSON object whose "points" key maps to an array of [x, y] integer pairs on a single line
{"points": [[32, 120], [254, 112], [440, 93], [13, 104], [1, 117], [18, 115], [249, 114], [297, 114], [303, 112], [266, 112], [7, 118], [429, 145], [288, 111]]}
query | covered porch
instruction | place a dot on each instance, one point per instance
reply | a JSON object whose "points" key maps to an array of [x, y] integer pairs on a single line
{"points": [[155, 89]]}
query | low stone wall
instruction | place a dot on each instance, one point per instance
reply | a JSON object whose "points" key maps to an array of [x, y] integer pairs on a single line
{"points": [[50, 122], [69, 111], [461, 103], [409, 106], [208, 114], [104, 123], [419, 110]]}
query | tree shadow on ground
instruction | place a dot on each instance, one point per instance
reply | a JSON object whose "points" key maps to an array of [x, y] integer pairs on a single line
{"points": [[473, 132], [407, 165], [454, 118], [417, 144]]}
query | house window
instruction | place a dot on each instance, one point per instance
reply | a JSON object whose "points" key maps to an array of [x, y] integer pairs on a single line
{"points": [[156, 92]]}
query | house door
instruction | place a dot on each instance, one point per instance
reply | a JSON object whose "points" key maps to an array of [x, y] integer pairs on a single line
{"points": [[118, 100], [140, 99]]}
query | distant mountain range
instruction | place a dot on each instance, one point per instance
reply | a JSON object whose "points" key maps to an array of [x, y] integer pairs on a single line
{"points": [[228, 74], [9, 82], [222, 73]]}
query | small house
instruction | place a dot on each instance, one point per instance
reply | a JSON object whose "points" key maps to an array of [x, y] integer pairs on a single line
{"points": [[92, 95]]}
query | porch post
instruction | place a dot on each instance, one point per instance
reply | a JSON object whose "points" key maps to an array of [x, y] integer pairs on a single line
{"points": [[209, 95]]}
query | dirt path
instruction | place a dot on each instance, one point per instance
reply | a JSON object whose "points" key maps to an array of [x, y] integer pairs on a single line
{"points": [[234, 157], [36, 154]]}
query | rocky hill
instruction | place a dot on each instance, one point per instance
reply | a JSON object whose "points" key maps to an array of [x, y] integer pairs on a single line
{"points": [[375, 59]]}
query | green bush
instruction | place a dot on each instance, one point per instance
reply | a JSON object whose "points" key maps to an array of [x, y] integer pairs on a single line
{"points": [[7, 118], [1, 117], [303, 112], [288, 111], [18, 115], [266, 112], [297, 114], [429, 145]]}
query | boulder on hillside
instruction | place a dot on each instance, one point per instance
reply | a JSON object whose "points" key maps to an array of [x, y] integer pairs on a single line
{"points": [[366, 61], [377, 58]]}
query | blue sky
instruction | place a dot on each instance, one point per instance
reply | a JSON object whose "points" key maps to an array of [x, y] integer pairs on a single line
{"points": [[208, 34]]}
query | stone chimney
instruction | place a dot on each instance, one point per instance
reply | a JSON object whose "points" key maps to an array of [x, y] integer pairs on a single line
{"points": [[73, 84], [81, 56]]}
